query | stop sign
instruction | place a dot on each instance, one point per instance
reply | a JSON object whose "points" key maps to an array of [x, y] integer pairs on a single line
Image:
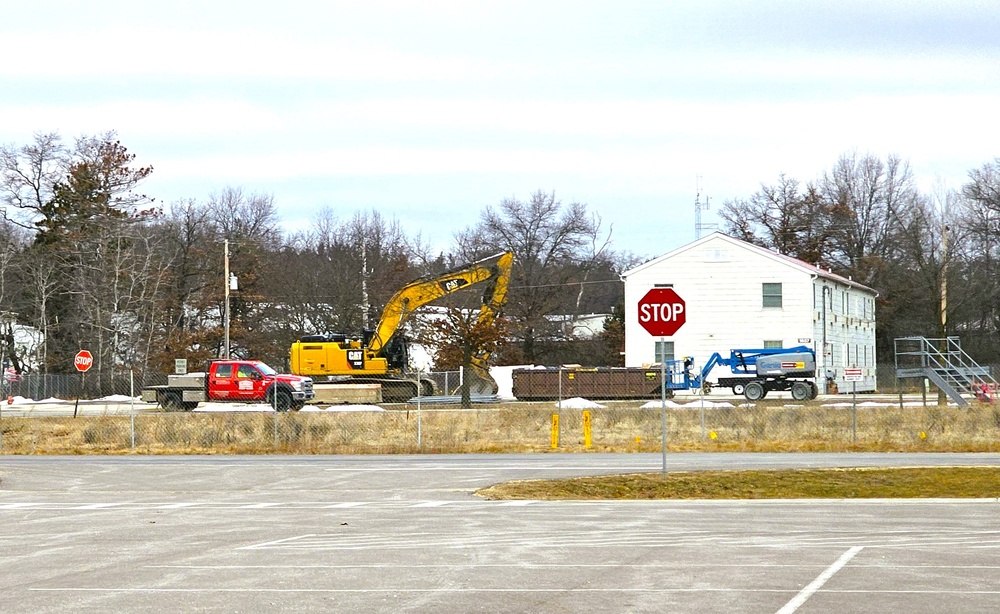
{"points": [[83, 360], [662, 312]]}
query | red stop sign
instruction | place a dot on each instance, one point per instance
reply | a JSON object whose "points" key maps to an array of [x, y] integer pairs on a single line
{"points": [[83, 360], [662, 312]]}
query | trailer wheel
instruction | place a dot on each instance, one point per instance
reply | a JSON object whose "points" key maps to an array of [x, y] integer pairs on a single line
{"points": [[754, 391], [813, 390], [190, 405], [739, 389], [171, 401], [801, 391]]}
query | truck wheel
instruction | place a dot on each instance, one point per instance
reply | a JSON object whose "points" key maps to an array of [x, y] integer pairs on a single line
{"points": [[801, 391], [813, 390], [754, 391], [171, 401], [739, 389], [189, 405], [283, 402]]}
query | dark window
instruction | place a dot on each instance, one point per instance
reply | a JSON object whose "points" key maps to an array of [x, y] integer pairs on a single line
{"points": [[772, 295]]}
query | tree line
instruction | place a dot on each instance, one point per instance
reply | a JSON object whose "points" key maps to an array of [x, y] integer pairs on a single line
{"points": [[89, 261], [929, 255]]}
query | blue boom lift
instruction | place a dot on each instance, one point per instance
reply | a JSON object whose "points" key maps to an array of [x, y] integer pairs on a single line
{"points": [[755, 372]]}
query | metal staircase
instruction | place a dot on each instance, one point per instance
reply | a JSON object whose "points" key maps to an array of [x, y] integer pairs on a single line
{"points": [[943, 362]]}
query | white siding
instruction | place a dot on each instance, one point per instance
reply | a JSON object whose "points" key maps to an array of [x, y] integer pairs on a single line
{"points": [[721, 281]]}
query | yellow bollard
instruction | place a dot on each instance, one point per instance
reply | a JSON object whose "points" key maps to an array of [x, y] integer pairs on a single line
{"points": [[586, 429], [555, 431]]}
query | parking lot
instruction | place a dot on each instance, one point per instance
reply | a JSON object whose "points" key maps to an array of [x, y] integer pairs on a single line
{"points": [[390, 534]]}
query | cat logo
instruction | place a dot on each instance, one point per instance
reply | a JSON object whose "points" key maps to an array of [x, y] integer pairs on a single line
{"points": [[450, 285], [356, 358]]}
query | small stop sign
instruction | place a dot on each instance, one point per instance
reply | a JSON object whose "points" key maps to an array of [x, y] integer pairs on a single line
{"points": [[662, 312], [83, 360]]}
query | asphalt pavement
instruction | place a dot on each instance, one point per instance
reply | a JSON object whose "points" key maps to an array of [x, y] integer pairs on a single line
{"points": [[407, 534]]}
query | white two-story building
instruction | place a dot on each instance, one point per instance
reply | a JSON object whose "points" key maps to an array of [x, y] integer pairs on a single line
{"points": [[741, 296]]}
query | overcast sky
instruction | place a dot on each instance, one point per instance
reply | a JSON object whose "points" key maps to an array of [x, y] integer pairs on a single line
{"points": [[429, 111]]}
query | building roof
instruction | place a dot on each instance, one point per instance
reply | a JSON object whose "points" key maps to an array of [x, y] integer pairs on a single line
{"points": [[788, 260]]}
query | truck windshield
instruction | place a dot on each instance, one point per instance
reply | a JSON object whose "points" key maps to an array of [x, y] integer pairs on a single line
{"points": [[266, 370]]}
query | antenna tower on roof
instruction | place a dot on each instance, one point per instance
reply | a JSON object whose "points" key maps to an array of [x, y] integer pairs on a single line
{"points": [[698, 208]]}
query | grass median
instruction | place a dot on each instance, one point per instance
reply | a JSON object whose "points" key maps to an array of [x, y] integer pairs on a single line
{"points": [[853, 483]]}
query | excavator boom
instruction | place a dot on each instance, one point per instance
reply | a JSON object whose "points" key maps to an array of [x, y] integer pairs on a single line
{"points": [[429, 288], [381, 356]]}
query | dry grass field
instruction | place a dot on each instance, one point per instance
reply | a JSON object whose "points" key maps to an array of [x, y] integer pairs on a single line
{"points": [[621, 426], [861, 483]]}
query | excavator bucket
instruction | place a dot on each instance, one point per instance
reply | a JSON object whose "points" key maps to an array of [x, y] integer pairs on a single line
{"points": [[481, 383]]}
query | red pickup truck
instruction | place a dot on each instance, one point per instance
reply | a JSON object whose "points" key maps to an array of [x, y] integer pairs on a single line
{"points": [[245, 381]]}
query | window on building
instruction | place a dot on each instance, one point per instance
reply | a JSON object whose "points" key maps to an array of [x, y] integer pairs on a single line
{"points": [[772, 294], [773, 344], [664, 351]]}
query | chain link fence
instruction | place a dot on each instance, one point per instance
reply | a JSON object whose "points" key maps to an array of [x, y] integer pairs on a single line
{"points": [[518, 427], [902, 420]]}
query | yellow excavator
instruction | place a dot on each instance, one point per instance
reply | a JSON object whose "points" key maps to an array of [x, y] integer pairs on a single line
{"points": [[381, 355]]}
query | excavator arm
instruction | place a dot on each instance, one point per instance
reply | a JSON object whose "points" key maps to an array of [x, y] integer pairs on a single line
{"points": [[495, 269], [494, 299], [380, 355]]}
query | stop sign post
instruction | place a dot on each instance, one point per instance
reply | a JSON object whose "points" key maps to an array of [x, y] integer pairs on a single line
{"points": [[662, 312], [83, 361]]}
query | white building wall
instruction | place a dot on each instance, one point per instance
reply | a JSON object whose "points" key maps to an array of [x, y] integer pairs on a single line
{"points": [[848, 320], [721, 281]]}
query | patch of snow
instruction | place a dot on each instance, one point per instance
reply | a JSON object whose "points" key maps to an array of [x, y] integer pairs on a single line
{"points": [[659, 404], [578, 403], [340, 408], [118, 398], [504, 377], [233, 407]]}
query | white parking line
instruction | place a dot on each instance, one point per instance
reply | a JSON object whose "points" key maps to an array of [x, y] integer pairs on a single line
{"points": [[820, 580]]}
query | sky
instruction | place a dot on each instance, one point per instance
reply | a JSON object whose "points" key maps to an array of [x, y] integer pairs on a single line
{"points": [[430, 111]]}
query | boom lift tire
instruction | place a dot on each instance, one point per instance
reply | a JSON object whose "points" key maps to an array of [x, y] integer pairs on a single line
{"points": [[801, 391], [754, 391]]}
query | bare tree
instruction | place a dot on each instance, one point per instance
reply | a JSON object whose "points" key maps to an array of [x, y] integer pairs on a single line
{"points": [[784, 217], [867, 197], [554, 246], [28, 176]]}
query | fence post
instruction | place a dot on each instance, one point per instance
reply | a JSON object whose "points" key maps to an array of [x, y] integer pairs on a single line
{"points": [[419, 433], [274, 399], [131, 411]]}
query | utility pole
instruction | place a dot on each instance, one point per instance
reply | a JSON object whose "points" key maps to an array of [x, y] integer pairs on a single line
{"points": [[225, 347]]}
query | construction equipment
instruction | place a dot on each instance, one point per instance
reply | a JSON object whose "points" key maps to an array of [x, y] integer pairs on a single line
{"points": [[381, 355], [756, 371]]}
